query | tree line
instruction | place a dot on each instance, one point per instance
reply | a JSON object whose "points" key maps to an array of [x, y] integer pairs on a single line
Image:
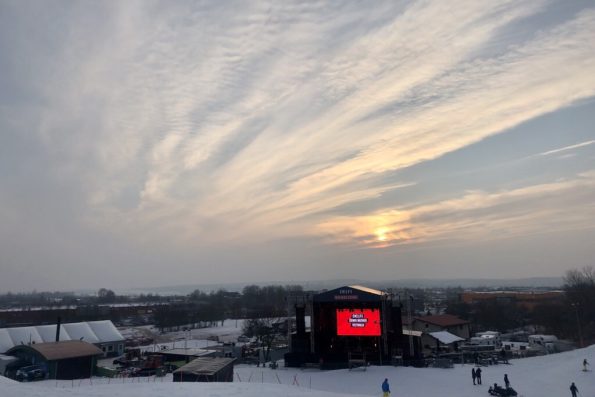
{"points": [[201, 308]]}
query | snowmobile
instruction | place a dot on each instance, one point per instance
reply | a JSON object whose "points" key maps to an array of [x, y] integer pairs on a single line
{"points": [[501, 391]]}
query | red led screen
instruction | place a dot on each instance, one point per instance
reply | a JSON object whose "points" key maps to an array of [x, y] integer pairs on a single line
{"points": [[358, 322]]}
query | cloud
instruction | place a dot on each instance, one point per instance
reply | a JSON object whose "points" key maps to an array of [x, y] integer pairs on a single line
{"points": [[475, 216], [208, 122]]}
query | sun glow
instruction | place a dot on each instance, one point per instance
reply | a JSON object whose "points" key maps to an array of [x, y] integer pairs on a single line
{"points": [[381, 233], [380, 230]]}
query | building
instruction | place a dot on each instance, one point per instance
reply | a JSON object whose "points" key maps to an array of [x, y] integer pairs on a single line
{"points": [[102, 334], [73, 359], [526, 299], [441, 341], [440, 332], [206, 369], [442, 322], [185, 354], [348, 324]]}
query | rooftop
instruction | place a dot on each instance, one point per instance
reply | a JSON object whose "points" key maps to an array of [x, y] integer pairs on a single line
{"points": [[62, 350], [90, 331], [206, 365]]}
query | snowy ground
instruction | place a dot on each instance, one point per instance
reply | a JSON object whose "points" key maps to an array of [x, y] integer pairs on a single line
{"points": [[532, 377]]}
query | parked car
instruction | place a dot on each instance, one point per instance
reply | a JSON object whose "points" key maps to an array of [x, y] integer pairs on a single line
{"points": [[31, 372]]}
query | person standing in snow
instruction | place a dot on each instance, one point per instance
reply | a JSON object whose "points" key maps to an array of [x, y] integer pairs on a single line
{"points": [[506, 381], [385, 388], [573, 389], [585, 364], [473, 374], [503, 356], [478, 375]]}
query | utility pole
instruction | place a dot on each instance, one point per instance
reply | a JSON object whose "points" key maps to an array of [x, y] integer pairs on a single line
{"points": [[410, 321], [578, 324]]}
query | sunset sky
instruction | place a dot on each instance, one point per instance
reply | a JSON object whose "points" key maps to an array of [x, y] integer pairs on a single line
{"points": [[147, 143]]}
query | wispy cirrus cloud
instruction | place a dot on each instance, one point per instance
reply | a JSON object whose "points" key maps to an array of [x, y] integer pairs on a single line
{"points": [[477, 215], [266, 123]]}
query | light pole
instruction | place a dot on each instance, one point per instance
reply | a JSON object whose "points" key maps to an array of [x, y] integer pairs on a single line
{"points": [[578, 324], [410, 321]]}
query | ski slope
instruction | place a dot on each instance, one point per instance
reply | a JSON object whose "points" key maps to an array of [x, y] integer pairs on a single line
{"points": [[532, 377]]}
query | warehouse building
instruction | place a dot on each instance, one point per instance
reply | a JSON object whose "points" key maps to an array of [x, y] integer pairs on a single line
{"points": [[102, 334]]}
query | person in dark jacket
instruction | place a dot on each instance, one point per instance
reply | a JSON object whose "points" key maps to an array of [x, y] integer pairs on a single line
{"points": [[385, 388], [473, 374], [506, 381], [478, 375], [503, 356], [496, 390], [573, 389]]}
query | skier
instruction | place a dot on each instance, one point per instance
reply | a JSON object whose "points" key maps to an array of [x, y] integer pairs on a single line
{"points": [[585, 364], [573, 389], [478, 375], [473, 375], [506, 381], [385, 388]]}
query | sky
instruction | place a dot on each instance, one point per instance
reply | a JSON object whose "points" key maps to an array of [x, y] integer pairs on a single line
{"points": [[148, 143]]}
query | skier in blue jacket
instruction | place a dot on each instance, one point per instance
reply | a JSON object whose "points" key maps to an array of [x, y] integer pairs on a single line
{"points": [[385, 388]]}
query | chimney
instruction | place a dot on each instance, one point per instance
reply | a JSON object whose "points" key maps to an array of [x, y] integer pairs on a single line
{"points": [[58, 329]]}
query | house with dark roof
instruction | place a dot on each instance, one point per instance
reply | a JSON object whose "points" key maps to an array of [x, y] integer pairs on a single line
{"points": [[442, 322], [72, 359]]}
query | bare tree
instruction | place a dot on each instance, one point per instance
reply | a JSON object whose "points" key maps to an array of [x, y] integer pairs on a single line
{"points": [[265, 330], [579, 286]]}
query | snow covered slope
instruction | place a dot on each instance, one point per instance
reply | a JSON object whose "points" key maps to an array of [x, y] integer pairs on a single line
{"points": [[534, 377]]}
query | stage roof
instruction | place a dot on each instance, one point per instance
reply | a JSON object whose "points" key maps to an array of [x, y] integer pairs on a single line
{"points": [[350, 293]]}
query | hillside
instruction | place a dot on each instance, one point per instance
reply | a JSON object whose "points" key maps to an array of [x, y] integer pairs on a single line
{"points": [[533, 377]]}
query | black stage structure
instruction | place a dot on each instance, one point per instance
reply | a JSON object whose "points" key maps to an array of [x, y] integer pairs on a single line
{"points": [[349, 326]]}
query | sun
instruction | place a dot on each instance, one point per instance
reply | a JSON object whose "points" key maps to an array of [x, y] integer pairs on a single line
{"points": [[381, 233]]}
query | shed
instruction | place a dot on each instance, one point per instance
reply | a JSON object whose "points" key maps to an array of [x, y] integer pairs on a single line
{"points": [[445, 337], [206, 369], [441, 341], [72, 359]]}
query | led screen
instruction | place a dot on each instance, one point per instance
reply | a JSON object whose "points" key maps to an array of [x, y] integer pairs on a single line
{"points": [[358, 322]]}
